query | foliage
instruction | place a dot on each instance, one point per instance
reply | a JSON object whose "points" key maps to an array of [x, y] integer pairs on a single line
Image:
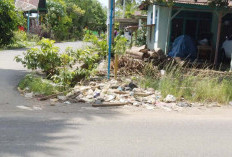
{"points": [[120, 45], [10, 19], [191, 86], [56, 20], [39, 85], [46, 58], [66, 19], [95, 15], [141, 37], [99, 45], [21, 39], [65, 76], [131, 7]]}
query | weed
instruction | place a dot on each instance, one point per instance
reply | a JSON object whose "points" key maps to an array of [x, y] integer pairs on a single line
{"points": [[39, 85], [189, 85]]}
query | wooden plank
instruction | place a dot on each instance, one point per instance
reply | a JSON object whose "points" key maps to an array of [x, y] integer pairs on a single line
{"points": [[109, 104], [218, 37]]}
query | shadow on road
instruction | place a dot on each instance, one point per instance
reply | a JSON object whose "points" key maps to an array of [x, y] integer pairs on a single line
{"points": [[48, 132]]}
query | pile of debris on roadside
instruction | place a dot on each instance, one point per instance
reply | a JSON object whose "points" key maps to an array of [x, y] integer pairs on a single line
{"points": [[106, 93]]}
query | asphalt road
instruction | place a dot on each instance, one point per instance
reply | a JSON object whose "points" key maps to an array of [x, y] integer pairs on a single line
{"points": [[78, 130]]}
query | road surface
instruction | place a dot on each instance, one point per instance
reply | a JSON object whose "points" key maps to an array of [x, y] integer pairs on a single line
{"points": [[78, 130]]}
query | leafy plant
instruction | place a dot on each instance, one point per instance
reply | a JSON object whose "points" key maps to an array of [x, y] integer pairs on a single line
{"points": [[99, 44], [46, 58], [120, 45], [141, 37], [10, 19]]}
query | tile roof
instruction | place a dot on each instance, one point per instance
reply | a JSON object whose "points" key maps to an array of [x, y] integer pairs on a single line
{"points": [[26, 5]]}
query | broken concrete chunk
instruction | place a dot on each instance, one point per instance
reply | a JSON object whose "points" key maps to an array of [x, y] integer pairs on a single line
{"points": [[62, 97], [53, 101], [170, 98], [183, 104], [29, 95], [67, 102], [149, 107], [110, 97]]}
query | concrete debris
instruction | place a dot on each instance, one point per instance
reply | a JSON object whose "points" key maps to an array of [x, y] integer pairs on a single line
{"points": [[170, 98], [67, 102], [149, 107], [184, 104], [61, 97], [53, 101], [33, 108], [25, 108], [29, 95], [230, 103], [104, 93]]}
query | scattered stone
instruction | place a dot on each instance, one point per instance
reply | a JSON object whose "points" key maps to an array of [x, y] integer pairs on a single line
{"points": [[136, 103], [132, 85], [120, 88], [230, 103], [25, 108], [162, 72], [170, 98], [61, 97], [97, 95], [127, 89], [184, 104], [98, 101], [53, 101], [149, 107], [36, 108], [67, 102], [29, 95], [110, 97]]}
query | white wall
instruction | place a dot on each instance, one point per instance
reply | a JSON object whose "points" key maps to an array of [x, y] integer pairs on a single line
{"points": [[150, 30]]}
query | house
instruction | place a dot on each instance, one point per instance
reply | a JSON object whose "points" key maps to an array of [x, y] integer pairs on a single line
{"points": [[186, 17], [32, 10]]}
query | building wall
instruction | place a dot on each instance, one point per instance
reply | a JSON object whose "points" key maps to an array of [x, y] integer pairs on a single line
{"points": [[163, 27], [150, 30], [157, 35]]}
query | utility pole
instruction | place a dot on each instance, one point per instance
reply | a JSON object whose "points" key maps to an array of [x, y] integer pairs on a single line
{"points": [[124, 8], [110, 30]]}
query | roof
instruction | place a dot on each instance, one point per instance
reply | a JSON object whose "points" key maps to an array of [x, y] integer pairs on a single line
{"points": [[144, 5], [26, 5], [30, 5]]}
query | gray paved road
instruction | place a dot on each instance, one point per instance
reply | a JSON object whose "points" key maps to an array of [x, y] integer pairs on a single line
{"points": [[79, 130]]}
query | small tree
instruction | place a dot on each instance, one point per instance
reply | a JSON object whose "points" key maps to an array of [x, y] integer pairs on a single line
{"points": [[8, 22]]}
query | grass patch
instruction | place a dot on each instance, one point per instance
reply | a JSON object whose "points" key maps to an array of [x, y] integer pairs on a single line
{"points": [[191, 86], [38, 85]]}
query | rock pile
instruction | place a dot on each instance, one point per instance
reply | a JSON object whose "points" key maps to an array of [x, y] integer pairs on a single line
{"points": [[118, 93]]}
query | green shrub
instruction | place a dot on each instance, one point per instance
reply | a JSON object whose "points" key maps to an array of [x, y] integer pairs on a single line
{"points": [[47, 58], [99, 44], [120, 45], [141, 37], [10, 19]]}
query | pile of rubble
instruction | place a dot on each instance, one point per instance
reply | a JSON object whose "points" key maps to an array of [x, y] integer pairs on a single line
{"points": [[118, 93]]}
